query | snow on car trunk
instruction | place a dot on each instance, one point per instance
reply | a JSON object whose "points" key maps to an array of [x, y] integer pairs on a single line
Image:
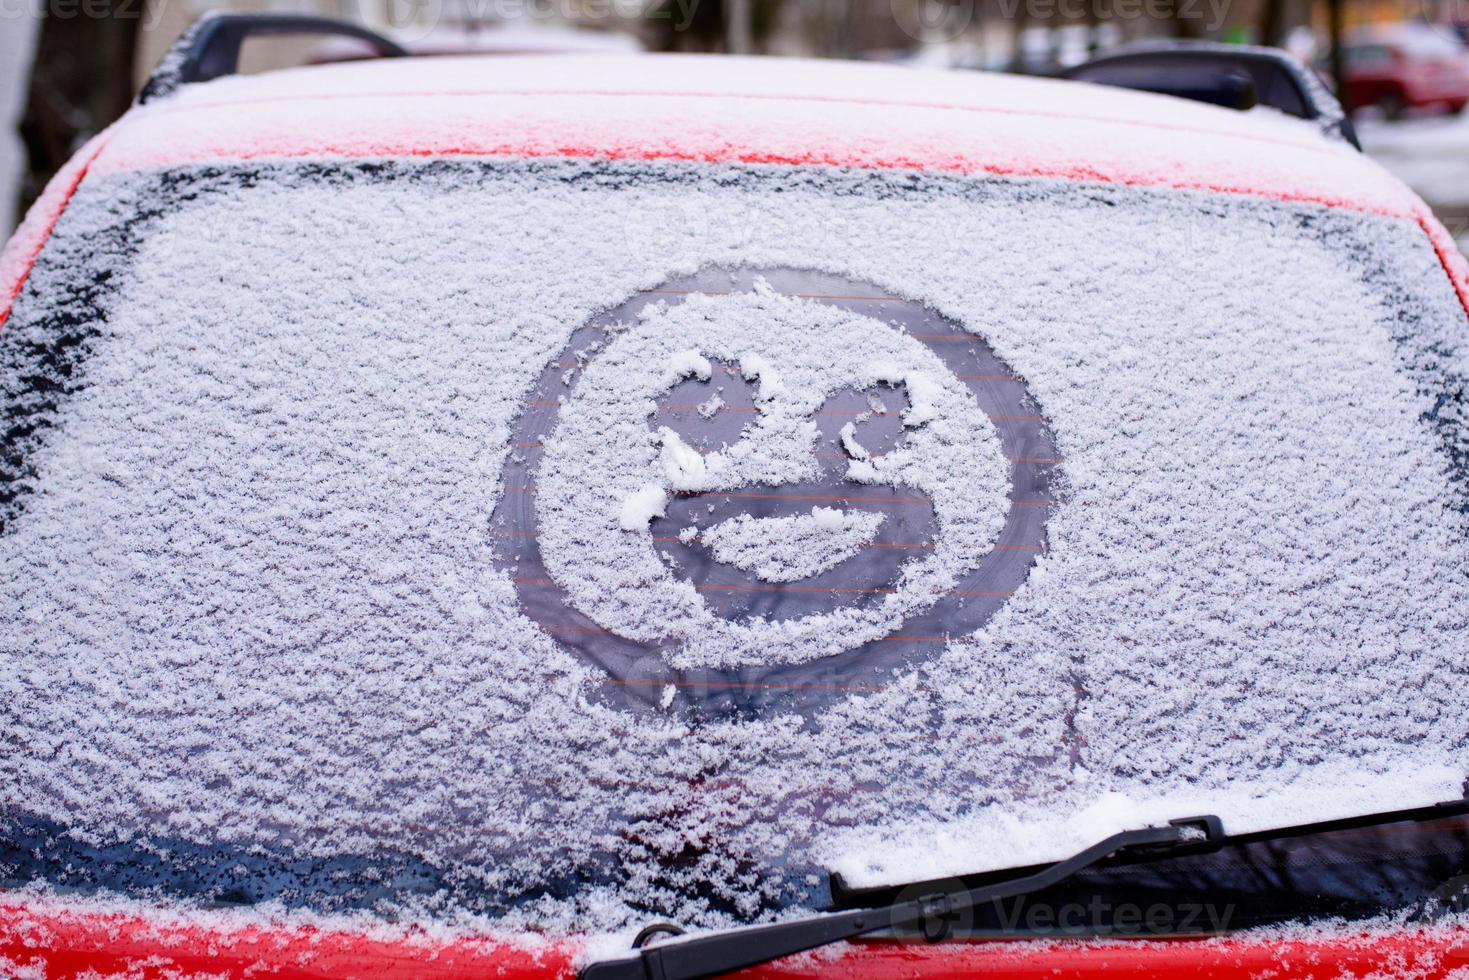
{"points": [[261, 421]]}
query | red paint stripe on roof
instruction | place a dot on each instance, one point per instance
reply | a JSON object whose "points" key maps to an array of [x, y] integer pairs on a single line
{"points": [[726, 155]]}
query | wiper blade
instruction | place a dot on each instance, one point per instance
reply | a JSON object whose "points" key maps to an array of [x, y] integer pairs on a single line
{"points": [[846, 896], [735, 949]]}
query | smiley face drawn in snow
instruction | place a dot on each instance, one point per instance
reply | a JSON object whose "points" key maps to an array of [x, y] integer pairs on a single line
{"points": [[739, 498]]}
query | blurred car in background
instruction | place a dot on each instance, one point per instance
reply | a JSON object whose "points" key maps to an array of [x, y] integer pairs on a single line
{"points": [[1232, 76], [1404, 66]]}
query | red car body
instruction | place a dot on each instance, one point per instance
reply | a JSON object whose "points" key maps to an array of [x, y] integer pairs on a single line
{"points": [[1398, 70], [873, 118], [57, 942]]}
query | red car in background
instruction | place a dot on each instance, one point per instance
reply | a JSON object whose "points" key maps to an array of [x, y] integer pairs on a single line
{"points": [[1401, 67]]}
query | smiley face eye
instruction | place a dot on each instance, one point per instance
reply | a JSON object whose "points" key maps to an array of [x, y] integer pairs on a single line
{"points": [[866, 422], [709, 415]]}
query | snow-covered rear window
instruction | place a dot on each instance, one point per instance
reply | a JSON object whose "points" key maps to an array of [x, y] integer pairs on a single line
{"points": [[355, 521]]}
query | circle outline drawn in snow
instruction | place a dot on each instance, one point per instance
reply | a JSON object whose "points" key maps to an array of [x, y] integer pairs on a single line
{"points": [[638, 673]]}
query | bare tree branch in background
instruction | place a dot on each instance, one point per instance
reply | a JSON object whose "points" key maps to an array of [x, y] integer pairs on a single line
{"points": [[1184, 25], [1270, 25], [81, 81], [1335, 11], [1020, 23]]}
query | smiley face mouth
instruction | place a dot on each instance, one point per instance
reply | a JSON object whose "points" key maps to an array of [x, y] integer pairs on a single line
{"points": [[788, 549], [762, 552]]}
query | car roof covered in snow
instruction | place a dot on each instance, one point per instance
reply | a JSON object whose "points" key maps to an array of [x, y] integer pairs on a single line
{"points": [[747, 110]]}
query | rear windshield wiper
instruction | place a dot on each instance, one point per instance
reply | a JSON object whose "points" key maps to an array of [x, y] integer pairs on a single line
{"points": [[931, 914], [734, 949]]}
